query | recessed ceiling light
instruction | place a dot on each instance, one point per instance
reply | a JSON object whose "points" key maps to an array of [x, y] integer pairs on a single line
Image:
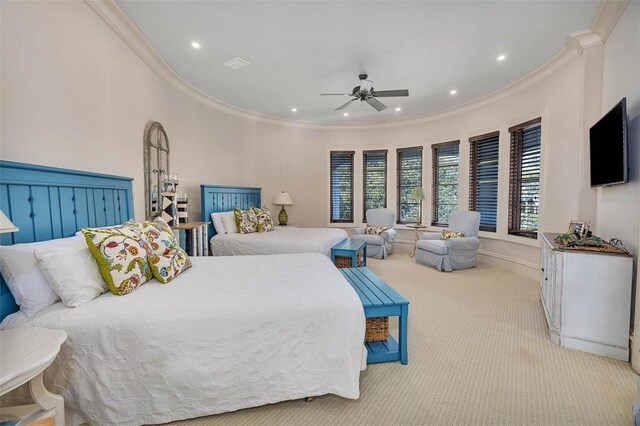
{"points": [[346, 114], [398, 109], [294, 109], [195, 45], [453, 92], [501, 58]]}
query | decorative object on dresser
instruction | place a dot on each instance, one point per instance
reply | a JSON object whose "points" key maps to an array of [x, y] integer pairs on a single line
{"points": [[193, 237], [26, 353], [182, 200], [586, 297], [418, 193], [283, 199], [156, 167], [350, 253], [380, 245], [380, 301], [451, 253]]}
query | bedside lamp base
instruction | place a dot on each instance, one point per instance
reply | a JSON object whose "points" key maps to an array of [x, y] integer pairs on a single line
{"points": [[283, 217]]}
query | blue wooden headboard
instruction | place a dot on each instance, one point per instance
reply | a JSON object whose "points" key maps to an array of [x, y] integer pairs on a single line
{"points": [[216, 198], [47, 203]]}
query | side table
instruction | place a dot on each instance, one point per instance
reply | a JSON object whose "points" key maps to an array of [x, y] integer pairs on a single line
{"points": [[25, 352], [418, 227]]}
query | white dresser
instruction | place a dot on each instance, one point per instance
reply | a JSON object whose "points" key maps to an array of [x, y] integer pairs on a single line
{"points": [[586, 298]]}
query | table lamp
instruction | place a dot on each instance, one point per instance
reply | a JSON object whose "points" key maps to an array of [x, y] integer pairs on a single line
{"points": [[6, 225], [283, 199], [418, 193]]}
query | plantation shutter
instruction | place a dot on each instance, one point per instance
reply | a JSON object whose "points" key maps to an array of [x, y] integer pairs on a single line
{"points": [[483, 179], [445, 162], [374, 180], [409, 168], [341, 186], [524, 179]]}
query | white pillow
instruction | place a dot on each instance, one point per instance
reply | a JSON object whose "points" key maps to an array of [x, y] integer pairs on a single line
{"points": [[229, 222], [217, 223], [20, 270], [72, 273]]}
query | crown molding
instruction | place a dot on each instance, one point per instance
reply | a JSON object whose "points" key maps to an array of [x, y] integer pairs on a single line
{"points": [[603, 23], [607, 16]]}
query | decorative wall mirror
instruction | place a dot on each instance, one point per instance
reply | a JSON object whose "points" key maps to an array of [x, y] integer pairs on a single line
{"points": [[156, 167]]}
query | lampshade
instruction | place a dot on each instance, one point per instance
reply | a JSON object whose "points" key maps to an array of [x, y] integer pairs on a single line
{"points": [[418, 193], [6, 225], [283, 199]]}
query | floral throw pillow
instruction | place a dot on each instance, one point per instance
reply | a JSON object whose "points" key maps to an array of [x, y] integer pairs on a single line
{"points": [[121, 253], [167, 259], [246, 220], [265, 222], [447, 235], [375, 230]]}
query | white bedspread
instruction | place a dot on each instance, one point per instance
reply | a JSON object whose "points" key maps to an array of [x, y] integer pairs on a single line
{"points": [[281, 240], [229, 333]]}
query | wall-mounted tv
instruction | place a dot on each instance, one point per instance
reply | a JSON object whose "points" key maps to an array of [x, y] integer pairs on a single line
{"points": [[608, 147]]}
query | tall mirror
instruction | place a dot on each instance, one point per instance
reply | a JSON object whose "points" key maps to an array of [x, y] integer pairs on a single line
{"points": [[156, 167]]}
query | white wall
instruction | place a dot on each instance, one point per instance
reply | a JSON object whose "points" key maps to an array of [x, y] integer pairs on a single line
{"points": [[75, 95], [618, 207]]}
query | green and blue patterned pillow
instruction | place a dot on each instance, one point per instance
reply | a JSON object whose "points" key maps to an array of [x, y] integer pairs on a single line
{"points": [[265, 221], [121, 253], [246, 220]]}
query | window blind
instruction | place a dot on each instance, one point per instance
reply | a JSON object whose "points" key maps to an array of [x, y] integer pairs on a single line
{"points": [[445, 162], [483, 179], [409, 166], [374, 180], [341, 186], [524, 179]]}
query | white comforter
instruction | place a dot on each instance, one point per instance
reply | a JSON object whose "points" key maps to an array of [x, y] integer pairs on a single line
{"points": [[281, 240], [229, 333]]}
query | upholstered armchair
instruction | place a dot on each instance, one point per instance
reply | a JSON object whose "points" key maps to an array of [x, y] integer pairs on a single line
{"points": [[378, 246], [454, 253]]}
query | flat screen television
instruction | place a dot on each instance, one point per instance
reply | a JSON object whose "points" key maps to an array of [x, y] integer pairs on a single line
{"points": [[608, 147]]}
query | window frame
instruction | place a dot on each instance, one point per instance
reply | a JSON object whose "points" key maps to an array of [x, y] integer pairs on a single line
{"points": [[331, 154], [435, 184], [514, 226], [474, 180], [364, 178], [399, 153]]}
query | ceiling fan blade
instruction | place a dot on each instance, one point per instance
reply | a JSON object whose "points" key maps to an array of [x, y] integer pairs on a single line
{"points": [[376, 104], [343, 106], [390, 93], [336, 94]]}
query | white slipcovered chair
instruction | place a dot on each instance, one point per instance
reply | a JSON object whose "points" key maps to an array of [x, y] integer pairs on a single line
{"points": [[454, 253], [378, 246]]}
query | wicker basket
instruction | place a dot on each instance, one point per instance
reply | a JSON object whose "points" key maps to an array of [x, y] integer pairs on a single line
{"points": [[377, 329], [345, 261]]}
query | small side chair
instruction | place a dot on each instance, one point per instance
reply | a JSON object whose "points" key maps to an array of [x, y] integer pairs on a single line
{"points": [[378, 246]]}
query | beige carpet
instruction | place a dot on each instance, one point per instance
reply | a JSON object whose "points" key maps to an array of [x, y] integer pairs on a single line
{"points": [[478, 354]]}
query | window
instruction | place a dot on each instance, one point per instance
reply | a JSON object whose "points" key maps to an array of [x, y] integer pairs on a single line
{"points": [[445, 181], [341, 186], [524, 179], [483, 179], [409, 176], [374, 180]]}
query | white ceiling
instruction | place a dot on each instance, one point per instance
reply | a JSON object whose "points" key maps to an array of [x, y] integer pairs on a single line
{"points": [[299, 49]]}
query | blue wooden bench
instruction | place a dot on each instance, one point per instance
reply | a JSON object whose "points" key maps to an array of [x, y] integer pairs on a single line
{"points": [[380, 300]]}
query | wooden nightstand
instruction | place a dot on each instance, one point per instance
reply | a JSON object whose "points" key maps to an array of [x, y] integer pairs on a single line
{"points": [[25, 353]]}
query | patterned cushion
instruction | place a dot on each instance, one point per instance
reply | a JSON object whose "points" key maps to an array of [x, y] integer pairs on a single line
{"points": [[375, 230], [265, 222], [121, 253], [166, 259], [246, 220], [446, 234]]}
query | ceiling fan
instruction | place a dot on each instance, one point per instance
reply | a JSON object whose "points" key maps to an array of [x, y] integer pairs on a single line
{"points": [[365, 93]]}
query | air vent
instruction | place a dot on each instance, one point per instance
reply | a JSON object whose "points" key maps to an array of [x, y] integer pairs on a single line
{"points": [[236, 63]]}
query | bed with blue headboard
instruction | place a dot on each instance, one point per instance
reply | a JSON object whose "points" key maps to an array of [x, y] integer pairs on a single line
{"points": [[48, 202], [219, 199]]}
